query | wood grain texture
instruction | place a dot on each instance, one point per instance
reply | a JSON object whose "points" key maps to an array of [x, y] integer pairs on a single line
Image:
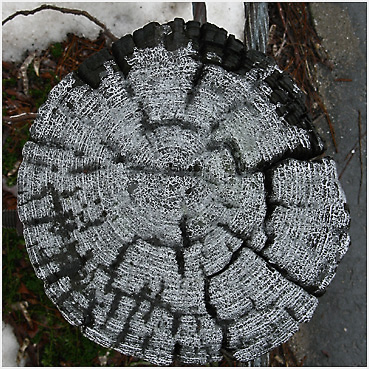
{"points": [[170, 201]]}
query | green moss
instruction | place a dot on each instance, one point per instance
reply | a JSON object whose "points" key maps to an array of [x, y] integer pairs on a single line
{"points": [[9, 82], [60, 343], [56, 50], [40, 96], [13, 252], [10, 157], [12, 151], [11, 180], [39, 87]]}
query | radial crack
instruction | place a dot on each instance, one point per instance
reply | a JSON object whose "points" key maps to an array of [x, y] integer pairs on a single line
{"points": [[139, 299], [271, 266], [199, 74], [186, 242], [212, 311], [234, 257]]}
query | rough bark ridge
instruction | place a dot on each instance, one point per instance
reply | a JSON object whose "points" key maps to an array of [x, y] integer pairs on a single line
{"points": [[170, 202]]}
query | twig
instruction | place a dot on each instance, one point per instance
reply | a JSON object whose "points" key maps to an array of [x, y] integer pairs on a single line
{"points": [[281, 47], [318, 119], [22, 306], [22, 350], [84, 13], [282, 17], [361, 157], [271, 34], [20, 117], [47, 326], [23, 71], [299, 51], [15, 168], [330, 125], [36, 65], [351, 153], [355, 146]]}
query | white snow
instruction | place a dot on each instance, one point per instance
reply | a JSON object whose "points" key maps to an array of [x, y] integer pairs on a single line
{"points": [[36, 32], [10, 347], [230, 16]]}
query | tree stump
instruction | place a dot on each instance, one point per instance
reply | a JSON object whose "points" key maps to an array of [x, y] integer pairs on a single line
{"points": [[171, 201]]}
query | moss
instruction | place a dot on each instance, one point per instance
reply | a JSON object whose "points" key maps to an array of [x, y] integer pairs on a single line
{"points": [[10, 157], [40, 95], [56, 50], [9, 82], [68, 347], [59, 343], [13, 252], [12, 151]]}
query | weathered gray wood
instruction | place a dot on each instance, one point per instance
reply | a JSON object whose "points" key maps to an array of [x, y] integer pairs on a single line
{"points": [[173, 209], [256, 26]]}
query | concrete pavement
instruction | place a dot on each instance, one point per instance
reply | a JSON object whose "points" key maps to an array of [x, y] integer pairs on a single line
{"points": [[336, 335]]}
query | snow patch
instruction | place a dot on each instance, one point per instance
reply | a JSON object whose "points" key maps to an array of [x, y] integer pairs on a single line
{"points": [[25, 34], [10, 347], [36, 32], [230, 16]]}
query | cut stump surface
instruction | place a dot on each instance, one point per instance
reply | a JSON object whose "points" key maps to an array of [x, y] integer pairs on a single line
{"points": [[171, 202]]}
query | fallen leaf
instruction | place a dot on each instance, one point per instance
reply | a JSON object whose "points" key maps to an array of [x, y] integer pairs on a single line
{"points": [[24, 289]]}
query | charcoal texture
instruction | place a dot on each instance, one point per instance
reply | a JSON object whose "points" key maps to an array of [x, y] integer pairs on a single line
{"points": [[171, 202]]}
